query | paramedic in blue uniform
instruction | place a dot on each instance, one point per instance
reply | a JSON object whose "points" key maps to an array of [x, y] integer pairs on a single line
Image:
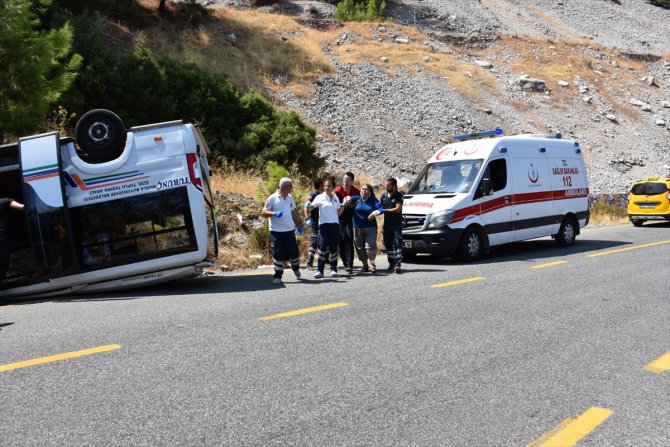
{"points": [[313, 223], [6, 204], [391, 201], [281, 211]]}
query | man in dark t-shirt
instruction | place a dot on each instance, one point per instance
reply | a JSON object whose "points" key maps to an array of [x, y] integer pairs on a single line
{"points": [[391, 201], [313, 216], [6, 204]]}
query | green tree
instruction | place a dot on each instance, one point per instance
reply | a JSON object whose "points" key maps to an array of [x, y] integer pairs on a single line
{"points": [[37, 65], [360, 10]]}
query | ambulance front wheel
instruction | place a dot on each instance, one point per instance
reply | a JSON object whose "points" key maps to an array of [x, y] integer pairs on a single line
{"points": [[471, 246], [566, 233], [101, 135]]}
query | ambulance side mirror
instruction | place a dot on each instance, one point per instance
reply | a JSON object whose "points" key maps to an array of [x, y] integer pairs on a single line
{"points": [[485, 187]]}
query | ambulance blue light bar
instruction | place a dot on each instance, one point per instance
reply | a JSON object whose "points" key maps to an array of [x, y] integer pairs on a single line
{"points": [[557, 136], [484, 133]]}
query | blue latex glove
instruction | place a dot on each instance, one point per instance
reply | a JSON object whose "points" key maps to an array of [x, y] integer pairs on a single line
{"points": [[309, 223], [378, 205], [299, 228], [279, 214]]}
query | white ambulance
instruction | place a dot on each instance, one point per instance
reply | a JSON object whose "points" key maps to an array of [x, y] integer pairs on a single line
{"points": [[479, 192]]}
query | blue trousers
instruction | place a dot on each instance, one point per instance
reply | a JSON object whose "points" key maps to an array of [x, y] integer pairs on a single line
{"points": [[393, 244], [328, 238], [284, 246], [313, 243]]}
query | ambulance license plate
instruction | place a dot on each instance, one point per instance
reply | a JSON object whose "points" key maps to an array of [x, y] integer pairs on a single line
{"points": [[647, 205], [407, 244]]}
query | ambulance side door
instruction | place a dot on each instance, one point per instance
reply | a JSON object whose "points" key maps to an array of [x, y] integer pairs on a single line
{"points": [[532, 213], [496, 204]]}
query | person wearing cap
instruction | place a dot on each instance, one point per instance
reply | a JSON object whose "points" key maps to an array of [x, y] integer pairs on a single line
{"points": [[6, 204], [283, 217]]}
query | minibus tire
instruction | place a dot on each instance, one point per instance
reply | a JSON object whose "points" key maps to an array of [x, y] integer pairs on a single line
{"points": [[637, 222], [471, 246], [101, 135], [566, 233]]}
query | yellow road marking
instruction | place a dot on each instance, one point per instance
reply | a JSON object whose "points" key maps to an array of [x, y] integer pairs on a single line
{"points": [[57, 357], [634, 247], [570, 431], [549, 264], [660, 365], [460, 281], [303, 311]]}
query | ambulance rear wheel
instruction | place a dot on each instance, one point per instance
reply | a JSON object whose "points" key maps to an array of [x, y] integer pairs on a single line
{"points": [[637, 222], [566, 233], [471, 246], [101, 135]]}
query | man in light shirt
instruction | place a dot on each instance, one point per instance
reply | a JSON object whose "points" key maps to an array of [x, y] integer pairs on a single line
{"points": [[282, 214]]}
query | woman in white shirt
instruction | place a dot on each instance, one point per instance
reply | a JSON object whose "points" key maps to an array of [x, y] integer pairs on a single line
{"points": [[329, 227]]}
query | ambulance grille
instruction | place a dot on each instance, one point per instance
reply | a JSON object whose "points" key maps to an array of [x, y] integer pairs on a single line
{"points": [[413, 221]]}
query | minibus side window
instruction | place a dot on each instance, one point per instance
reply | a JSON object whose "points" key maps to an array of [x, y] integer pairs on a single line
{"points": [[496, 171]]}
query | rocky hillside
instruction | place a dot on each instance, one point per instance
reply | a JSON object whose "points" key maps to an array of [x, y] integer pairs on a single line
{"points": [[597, 71]]}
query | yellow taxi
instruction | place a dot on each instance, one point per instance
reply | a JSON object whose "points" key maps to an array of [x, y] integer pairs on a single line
{"points": [[649, 199]]}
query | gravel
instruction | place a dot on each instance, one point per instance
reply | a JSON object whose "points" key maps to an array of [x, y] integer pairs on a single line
{"points": [[380, 122]]}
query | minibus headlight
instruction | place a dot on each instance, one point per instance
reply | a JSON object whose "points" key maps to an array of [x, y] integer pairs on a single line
{"points": [[439, 220]]}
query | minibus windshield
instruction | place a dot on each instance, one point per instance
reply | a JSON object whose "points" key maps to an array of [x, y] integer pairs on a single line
{"points": [[455, 176]]}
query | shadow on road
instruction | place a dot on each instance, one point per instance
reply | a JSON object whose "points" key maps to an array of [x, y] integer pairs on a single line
{"points": [[523, 251], [532, 250]]}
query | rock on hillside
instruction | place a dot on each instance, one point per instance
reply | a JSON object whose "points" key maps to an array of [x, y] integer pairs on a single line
{"points": [[607, 84]]}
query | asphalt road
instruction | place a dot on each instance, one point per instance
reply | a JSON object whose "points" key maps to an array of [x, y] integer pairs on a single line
{"points": [[502, 354]]}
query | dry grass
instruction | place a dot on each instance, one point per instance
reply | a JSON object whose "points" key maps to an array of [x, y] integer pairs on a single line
{"points": [[467, 79], [228, 179], [553, 22], [603, 214], [271, 46], [268, 46], [566, 60]]}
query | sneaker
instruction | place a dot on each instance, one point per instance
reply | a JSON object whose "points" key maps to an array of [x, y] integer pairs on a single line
{"points": [[397, 269], [297, 274], [276, 281], [310, 266], [333, 274], [389, 269], [318, 274]]}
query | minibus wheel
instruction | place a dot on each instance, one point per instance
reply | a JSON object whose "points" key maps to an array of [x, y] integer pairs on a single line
{"points": [[471, 246], [566, 233], [637, 222], [101, 135]]}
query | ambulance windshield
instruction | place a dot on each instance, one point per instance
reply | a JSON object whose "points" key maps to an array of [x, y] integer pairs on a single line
{"points": [[455, 176]]}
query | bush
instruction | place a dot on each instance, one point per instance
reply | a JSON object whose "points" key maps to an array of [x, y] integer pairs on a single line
{"points": [[274, 172], [245, 129], [259, 239], [361, 10]]}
